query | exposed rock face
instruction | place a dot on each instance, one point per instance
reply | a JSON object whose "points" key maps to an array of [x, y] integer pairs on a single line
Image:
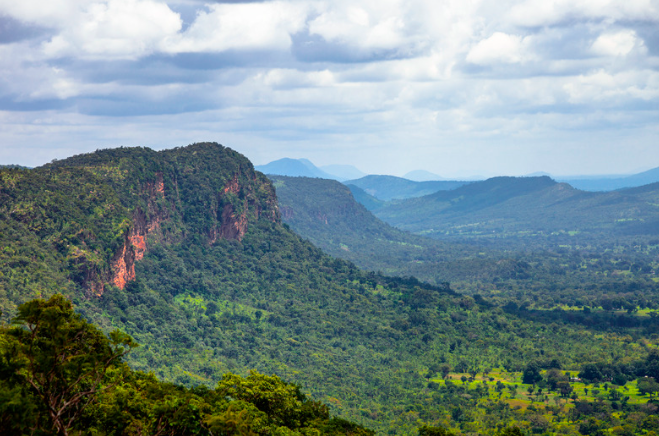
{"points": [[233, 226], [124, 201], [122, 267]]}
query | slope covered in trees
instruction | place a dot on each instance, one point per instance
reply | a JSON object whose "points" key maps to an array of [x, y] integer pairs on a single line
{"points": [[531, 272], [184, 250], [59, 375], [509, 207], [326, 213]]}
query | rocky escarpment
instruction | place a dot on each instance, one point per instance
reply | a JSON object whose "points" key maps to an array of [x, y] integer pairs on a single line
{"points": [[81, 224], [245, 197]]}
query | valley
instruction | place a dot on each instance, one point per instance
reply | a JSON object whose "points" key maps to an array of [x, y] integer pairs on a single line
{"points": [[213, 269]]}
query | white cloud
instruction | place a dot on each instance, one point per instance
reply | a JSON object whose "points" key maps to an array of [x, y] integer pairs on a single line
{"points": [[116, 29], [602, 86], [500, 47], [616, 44], [288, 78], [53, 13], [391, 71], [534, 13], [371, 25], [250, 26]]}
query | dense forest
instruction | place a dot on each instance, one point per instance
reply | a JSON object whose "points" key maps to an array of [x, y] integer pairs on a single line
{"points": [[61, 375], [610, 272], [185, 251]]}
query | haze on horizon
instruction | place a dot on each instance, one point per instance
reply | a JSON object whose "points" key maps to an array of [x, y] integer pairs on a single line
{"points": [[514, 87]]}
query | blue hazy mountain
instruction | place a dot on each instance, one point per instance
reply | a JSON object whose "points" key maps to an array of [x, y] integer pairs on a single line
{"points": [[306, 168], [396, 188], [612, 183], [422, 176], [294, 168], [522, 206]]}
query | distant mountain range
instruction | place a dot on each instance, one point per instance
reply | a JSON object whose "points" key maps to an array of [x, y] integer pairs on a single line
{"points": [[518, 206], [420, 182], [392, 188], [343, 172], [613, 183], [305, 168], [325, 212], [422, 176]]}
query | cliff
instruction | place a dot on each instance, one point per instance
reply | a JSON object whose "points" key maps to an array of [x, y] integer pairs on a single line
{"points": [[117, 204]]}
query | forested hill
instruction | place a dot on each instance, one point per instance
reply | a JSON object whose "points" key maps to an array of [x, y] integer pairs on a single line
{"points": [[391, 188], [325, 212], [184, 250], [84, 222], [518, 206]]}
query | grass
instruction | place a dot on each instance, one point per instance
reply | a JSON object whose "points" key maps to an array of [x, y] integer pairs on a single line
{"points": [[522, 398]]}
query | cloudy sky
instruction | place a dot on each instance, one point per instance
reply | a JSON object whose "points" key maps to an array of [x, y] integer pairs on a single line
{"points": [[456, 87]]}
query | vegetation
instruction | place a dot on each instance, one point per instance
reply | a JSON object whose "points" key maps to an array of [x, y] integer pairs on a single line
{"points": [[59, 375], [594, 276], [526, 208], [194, 263]]}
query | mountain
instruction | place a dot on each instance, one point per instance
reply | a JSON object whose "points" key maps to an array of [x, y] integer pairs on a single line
{"points": [[613, 183], [184, 249], [514, 206], [343, 172], [545, 269], [294, 168], [326, 213], [389, 187], [422, 176]]}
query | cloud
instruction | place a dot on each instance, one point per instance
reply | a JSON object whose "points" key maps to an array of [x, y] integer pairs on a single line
{"points": [[430, 74], [500, 47], [618, 89], [249, 26], [120, 29], [535, 13], [616, 44], [12, 30]]}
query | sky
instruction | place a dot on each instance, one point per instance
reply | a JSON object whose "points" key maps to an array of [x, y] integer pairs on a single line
{"points": [[456, 87]]}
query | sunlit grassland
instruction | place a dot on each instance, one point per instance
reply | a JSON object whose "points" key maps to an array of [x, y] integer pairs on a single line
{"points": [[508, 387]]}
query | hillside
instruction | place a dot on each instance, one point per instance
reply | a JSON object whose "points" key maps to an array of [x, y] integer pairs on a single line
{"points": [[511, 207], [525, 270], [184, 250], [365, 199], [390, 188], [326, 213]]}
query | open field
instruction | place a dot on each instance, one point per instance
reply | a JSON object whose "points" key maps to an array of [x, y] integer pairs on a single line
{"points": [[508, 387]]}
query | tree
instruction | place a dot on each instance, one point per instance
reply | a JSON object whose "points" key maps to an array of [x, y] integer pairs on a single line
{"points": [[648, 385], [531, 374], [56, 362], [434, 431], [564, 388], [510, 431]]}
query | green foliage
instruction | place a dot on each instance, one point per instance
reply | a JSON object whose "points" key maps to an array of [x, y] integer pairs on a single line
{"points": [[54, 363], [434, 431], [531, 374], [60, 375], [208, 299]]}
